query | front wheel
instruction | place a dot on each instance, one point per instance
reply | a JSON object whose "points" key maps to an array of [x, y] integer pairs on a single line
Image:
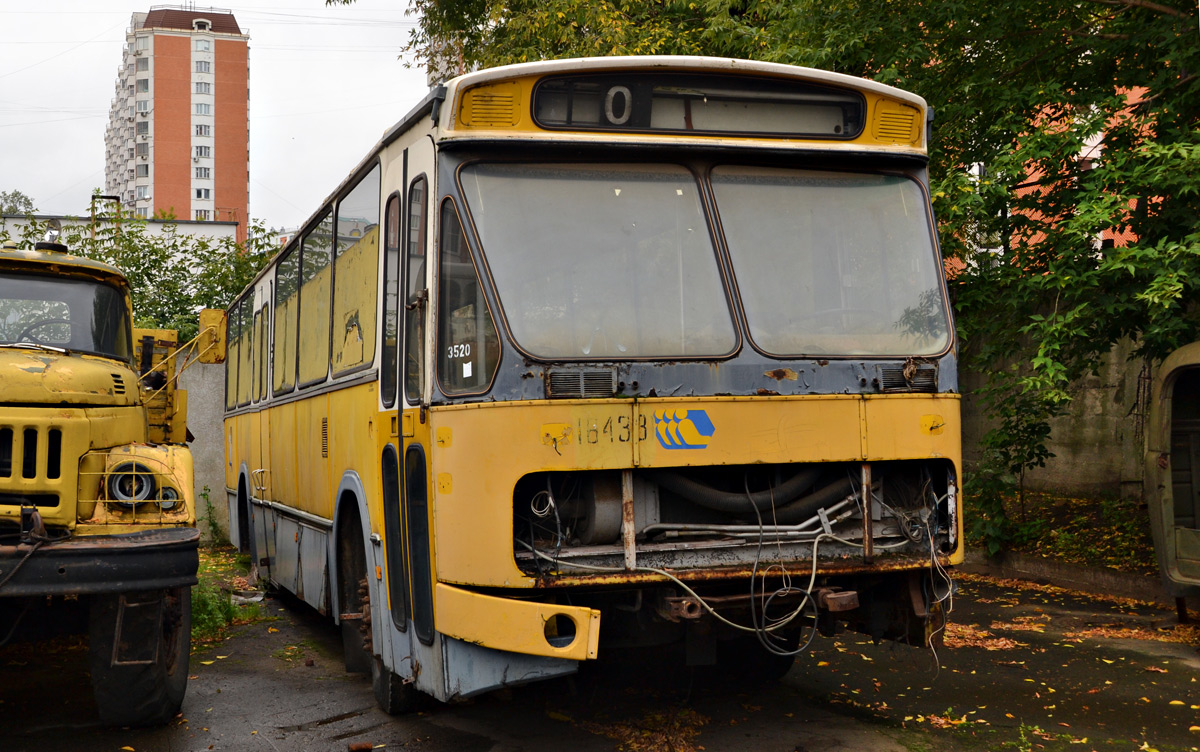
{"points": [[139, 649]]}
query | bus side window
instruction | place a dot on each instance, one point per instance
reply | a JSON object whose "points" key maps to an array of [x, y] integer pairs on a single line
{"points": [[391, 301], [356, 275], [315, 272], [233, 335], [287, 306], [246, 351], [468, 348], [414, 286], [264, 352]]}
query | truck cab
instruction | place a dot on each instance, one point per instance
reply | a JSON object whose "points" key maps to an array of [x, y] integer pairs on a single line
{"points": [[96, 490]]}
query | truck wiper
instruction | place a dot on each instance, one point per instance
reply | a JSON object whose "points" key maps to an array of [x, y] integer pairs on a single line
{"points": [[35, 346]]}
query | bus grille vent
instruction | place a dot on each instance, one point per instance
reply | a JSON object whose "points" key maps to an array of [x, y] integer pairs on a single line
{"points": [[492, 110], [896, 122], [118, 384], [595, 382], [922, 378], [324, 437]]}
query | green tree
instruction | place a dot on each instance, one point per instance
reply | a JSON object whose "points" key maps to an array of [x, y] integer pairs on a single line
{"points": [[1057, 120], [14, 202]]}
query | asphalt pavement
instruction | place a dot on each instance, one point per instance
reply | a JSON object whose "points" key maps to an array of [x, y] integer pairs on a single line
{"points": [[1024, 667]]}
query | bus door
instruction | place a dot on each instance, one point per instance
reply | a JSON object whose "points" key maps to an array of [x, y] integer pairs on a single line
{"points": [[419, 161], [1172, 470]]}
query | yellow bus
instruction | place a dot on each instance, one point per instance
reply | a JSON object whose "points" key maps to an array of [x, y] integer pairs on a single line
{"points": [[588, 354]]}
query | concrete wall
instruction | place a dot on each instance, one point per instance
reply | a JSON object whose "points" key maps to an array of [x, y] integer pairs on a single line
{"points": [[205, 385], [1097, 444]]}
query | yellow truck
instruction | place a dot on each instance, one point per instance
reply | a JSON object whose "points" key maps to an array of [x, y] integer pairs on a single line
{"points": [[97, 515]]}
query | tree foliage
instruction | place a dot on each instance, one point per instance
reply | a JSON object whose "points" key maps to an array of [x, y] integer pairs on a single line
{"points": [[15, 203], [1057, 121], [172, 275]]}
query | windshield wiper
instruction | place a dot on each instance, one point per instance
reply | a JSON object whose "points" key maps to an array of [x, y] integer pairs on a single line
{"points": [[36, 346]]}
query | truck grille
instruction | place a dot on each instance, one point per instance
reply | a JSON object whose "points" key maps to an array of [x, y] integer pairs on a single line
{"points": [[30, 454]]}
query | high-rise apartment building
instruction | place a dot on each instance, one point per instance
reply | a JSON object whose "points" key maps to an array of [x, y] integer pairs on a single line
{"points": [[178, 133]]}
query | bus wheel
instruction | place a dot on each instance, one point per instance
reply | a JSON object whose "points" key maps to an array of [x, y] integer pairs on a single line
{"points": [[139, 645], [393, 694]]}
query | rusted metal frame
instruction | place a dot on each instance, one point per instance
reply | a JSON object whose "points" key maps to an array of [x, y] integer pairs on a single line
{"points": [[868, 523], [627, 520]]}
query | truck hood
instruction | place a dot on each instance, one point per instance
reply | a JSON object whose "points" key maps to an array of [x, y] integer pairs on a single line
{"points": [[47, 378]]}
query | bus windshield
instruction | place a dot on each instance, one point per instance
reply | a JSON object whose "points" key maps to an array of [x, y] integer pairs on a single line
{"points": [[601, 261], [74, 314], [617, 261], [831, 263]]}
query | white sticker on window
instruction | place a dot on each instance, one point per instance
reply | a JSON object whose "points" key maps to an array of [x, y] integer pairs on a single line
{"points": [[467, 369]]}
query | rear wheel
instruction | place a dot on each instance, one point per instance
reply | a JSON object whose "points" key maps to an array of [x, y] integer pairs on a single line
{"points": [[139, 649]]}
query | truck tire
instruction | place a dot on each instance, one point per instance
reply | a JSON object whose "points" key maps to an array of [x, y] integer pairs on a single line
{"points": [[139, 647]]}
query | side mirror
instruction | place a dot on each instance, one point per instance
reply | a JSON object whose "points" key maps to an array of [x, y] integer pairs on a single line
{"points": [[210, 347]]}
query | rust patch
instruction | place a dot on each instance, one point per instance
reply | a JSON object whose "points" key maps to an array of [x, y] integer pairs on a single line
{"points": [[767, 393], [781, 374], [822, 362]]}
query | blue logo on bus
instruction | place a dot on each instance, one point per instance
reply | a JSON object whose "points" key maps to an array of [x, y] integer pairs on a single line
{"points": [[683, 429]]}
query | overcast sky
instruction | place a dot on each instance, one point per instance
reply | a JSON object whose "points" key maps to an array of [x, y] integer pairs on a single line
{"points": [[325, 83]]}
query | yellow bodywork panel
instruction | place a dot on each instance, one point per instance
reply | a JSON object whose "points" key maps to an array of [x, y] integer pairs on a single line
{"points": [[911, 428], [473, 506], [210, 347], [340, 435], [516, 626]]}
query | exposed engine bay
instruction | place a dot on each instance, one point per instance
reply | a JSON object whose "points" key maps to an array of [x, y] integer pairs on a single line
{"points": [[692, 517]]}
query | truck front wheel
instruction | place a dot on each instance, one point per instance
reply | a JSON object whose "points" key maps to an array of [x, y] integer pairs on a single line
{"points": [[140, 644]]}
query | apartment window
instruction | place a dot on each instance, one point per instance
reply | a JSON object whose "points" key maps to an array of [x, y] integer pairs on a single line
{"points": [[143, 191], [143, 213], [142, 43], [203, 45], [143, 128], [143, 85], [203, 151], [203, 173], [142, 170], [203, 87], [203, 66], [203, 193], [143, 64], [203, 130], [203, 108], [142, 148], [143, 105], [202, 215]]}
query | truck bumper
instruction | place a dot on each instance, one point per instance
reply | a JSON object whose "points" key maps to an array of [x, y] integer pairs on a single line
{"points": [[145, 560]]}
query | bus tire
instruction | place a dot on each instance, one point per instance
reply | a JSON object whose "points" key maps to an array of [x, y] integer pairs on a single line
{"points": [[393, 694], [354, 596], [141, 693]]}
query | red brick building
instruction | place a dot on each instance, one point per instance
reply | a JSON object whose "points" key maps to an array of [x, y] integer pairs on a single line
{"points": [[178, 138]]}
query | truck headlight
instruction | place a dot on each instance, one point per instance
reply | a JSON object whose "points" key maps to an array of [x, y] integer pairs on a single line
{"points": [[131, 483]]}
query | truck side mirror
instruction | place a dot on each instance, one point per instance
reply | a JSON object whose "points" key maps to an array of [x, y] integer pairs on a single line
{"points": [[210, 347]]}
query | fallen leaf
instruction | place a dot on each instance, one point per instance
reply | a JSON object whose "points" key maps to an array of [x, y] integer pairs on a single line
{"points": [[208, 663]]}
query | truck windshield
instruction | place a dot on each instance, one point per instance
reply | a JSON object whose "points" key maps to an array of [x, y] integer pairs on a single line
{"points": [[74, 314]]}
